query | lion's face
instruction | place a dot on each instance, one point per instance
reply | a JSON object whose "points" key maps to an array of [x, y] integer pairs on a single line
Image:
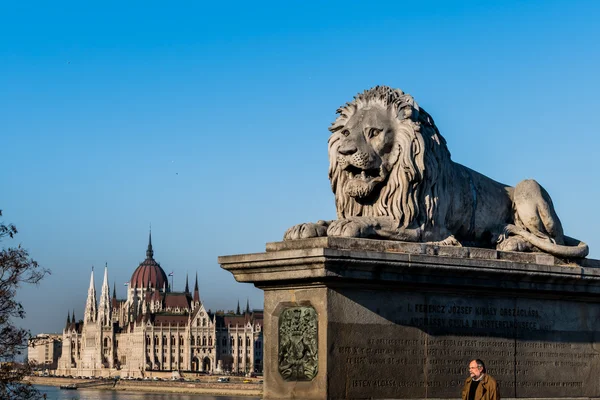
{"points": [[386, 158], [367, 150]]}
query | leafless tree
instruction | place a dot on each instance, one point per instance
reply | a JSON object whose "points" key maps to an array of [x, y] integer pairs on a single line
{"points": [[16, 268]]}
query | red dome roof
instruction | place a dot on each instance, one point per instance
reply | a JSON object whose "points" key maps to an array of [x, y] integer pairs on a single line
{"points": [[149, 272]]}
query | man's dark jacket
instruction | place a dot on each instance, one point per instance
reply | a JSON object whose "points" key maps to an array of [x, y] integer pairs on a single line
{"points": [[487, 389]]}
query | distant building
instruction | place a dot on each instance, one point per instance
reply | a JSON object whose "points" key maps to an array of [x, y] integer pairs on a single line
{"points": [[156, 329], [45, 349]]}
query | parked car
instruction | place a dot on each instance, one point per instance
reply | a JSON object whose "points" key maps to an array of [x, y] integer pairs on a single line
{"points": [[223, 379]]}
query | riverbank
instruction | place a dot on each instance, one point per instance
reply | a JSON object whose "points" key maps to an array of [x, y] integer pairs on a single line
{"points": [[253, 389]]}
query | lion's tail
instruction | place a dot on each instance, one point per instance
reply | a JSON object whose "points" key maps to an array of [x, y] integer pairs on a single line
{"points": [[573, 248]]}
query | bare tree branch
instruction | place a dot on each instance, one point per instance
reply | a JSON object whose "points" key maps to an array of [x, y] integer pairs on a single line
{"points": [[16, 268]]}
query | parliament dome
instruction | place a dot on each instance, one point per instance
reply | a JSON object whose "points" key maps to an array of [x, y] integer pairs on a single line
{"points": [[149, 272]]}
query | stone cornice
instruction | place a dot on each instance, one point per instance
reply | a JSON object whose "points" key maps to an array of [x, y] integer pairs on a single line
{"points": [[333, 261]]}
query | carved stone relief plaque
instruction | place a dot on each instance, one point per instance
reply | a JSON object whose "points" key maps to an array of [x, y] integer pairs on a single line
{"points": [[297, 355]]}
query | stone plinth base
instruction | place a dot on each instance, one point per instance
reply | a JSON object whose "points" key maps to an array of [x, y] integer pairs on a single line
{"points": [[357, 318]]}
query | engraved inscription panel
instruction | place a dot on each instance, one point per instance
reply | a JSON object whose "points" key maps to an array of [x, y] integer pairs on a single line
{"points": [[403, 345], [298, 346]]}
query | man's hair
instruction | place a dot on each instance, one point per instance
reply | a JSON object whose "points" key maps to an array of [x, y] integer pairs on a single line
{"points": [[480, 364]]}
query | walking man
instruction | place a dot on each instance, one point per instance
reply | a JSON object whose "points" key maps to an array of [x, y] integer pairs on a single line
{"points": [[479, 386]]}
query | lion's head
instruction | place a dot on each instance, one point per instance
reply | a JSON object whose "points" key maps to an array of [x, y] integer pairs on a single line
{"points": [[386, 158]]}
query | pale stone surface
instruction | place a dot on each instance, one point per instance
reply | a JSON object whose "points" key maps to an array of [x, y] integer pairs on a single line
{"points": [[402, 320], [392, 177]]}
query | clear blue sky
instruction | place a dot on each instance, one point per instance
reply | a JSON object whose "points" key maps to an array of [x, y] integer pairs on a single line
{"points": [[210, 122]]}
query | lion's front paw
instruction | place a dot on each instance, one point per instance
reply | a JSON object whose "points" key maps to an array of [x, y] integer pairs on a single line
{"points": [[449, 241], [355, 227], [306, 230]]}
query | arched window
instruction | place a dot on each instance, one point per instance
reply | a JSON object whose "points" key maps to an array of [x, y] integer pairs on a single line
{"points": [[231, 341], [192, 341], [203, 340], [248, 341], [203, 321], [198, 340], [155, 340], [181, 340], [147, 340], [210, 340], [239, 340], [172, 340], [164, 341]]}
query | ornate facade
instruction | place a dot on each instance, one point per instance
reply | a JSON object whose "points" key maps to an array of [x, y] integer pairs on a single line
{"points": [[156, 329]]}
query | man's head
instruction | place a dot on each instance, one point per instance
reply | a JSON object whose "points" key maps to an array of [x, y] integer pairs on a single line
{"points": [[476, 368]]}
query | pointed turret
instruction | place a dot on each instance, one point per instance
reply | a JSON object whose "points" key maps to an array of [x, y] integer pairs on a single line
{"points": [[196, 292], [187, 286], [247, 306], [114, 290], [104, 313], [68, 320], [238, 312], [73, 319], [150, 252], [91, 310]]}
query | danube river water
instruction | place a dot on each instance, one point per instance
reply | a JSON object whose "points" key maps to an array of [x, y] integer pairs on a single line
{"points": [[54, 393]]}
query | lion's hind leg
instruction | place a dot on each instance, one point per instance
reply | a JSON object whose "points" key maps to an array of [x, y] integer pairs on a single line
{"points": [[535, 213], [537, 225], [506, 242]]}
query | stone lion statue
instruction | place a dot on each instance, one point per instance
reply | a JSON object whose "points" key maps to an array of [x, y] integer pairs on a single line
{"points": [[392, 177]]}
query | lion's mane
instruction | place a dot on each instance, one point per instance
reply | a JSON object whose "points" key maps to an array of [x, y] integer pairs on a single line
{"points": [[420, 175]]}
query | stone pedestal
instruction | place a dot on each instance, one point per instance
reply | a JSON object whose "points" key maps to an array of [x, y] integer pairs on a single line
{"points": [[358, 318]]}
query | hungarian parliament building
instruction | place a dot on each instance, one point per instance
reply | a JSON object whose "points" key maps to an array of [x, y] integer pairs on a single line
{"points": [[157, 329]]}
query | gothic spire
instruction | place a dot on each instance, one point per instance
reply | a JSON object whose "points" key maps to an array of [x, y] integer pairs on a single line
{"points": [[238, 308], [73, 320], [114, 290], [196, 292], [105, 309], [187, 286], [68, 319], [247, 306], [150, 252], [91, 303]]}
